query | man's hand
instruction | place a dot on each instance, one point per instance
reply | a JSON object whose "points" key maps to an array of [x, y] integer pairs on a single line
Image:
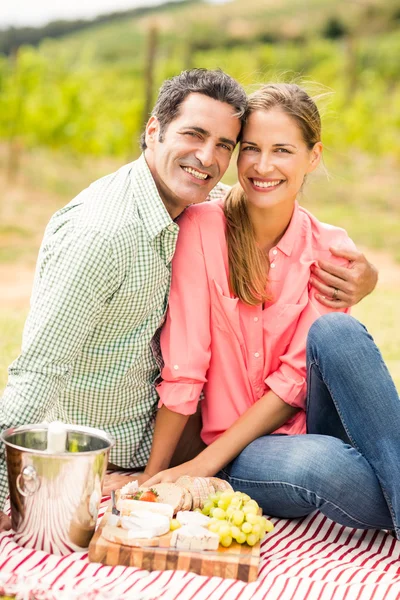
{"points": [[115, 481], [342, 287], [5, 522]]}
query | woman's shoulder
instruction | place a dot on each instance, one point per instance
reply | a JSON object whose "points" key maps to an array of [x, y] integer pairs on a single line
{"points": [[322, 235], [202, 229], [204, 212]]}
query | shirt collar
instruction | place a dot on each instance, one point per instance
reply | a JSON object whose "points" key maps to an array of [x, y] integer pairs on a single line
{"points": [[152, 211], [288, 239]]}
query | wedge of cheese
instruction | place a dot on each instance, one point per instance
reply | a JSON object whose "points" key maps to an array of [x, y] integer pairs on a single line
{"points": [[146, 524], [188, 517], [127, 506], [194, 537], [140, 528], [127, 537]]}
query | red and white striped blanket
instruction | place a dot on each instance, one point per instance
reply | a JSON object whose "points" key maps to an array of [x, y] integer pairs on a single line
{"points": [[311, 558]]}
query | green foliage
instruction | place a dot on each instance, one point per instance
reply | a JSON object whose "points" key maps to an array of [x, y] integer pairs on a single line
{"points": [[85, 93]]}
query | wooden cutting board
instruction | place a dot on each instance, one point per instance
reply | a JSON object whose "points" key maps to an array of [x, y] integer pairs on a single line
{"points": [[239, 561]]}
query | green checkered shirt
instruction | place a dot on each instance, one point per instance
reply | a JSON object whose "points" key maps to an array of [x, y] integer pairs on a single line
{"points": [[90, 354]]}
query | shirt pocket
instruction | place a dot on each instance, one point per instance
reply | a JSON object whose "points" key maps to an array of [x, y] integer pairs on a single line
{"points": [[281, 319], [225, 312]]}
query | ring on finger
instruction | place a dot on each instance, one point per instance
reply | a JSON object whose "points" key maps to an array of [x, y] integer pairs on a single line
{"points": [[335, 294]]}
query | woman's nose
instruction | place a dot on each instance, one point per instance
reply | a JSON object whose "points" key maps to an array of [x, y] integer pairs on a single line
{"points": [[264, 165]]}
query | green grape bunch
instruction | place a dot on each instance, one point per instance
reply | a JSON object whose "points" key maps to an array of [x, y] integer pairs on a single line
{"points": [[235, 516]]}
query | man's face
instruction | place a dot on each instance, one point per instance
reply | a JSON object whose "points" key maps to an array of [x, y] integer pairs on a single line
{"points": [[195, 152]]}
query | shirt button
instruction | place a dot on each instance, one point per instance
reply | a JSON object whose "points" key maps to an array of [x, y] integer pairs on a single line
{"points": [[272, 265], [274, 251], [255, 319], [256, 354], [171, 227], [176, 367]]}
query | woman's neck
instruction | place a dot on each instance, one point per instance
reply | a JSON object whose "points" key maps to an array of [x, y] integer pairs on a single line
{"points": [[270, 223]]}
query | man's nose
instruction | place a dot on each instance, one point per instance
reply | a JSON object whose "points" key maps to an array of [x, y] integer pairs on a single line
{"points": [[206, 154]]}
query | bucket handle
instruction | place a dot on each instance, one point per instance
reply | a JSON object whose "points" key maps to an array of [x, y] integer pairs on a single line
{"points": [[31, 482]]}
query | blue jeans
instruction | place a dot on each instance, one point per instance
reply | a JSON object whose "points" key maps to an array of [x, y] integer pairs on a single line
{"points": [[348, 464]]}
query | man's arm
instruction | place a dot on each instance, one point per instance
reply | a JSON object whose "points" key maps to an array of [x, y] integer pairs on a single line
{"points": [[75, 278], [342, 287]]}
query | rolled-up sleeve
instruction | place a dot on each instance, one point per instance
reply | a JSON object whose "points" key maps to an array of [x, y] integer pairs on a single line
{"points": [[185, 338], [289, 380]]}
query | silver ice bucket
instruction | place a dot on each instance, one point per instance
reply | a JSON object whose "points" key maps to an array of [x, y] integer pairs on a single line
{"points": [[55, 498]]}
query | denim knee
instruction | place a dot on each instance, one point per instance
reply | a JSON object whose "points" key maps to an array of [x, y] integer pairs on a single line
{"points": [[333, 332]]}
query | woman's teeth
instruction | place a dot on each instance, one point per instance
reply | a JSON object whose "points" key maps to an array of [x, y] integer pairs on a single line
{"points": [[266, 184], [195, 173]]}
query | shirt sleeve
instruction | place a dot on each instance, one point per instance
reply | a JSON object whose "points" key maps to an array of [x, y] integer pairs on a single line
{"points": [[219, 192], [289, 380], [185, 338], [75, 278]]}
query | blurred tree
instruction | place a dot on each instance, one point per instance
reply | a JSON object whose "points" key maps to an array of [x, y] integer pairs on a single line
{"points": [[334, 29], [151, 52]]}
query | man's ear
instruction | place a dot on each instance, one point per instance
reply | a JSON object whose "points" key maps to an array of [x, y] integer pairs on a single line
{"points": [[152, 131]]}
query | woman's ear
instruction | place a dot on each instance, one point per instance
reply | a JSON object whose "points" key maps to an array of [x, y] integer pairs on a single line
{"points": [[152, 131], [315, 156]]}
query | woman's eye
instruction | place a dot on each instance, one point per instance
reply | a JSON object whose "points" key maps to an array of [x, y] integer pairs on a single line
{"points": [[249, 148], [283, 150]]}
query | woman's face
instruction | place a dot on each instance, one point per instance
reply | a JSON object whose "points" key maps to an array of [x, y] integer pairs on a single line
{"points": [[273, 158]]}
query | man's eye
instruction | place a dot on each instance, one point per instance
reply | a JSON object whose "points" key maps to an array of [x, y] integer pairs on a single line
{"points": [[192, 133], [225, 147]]}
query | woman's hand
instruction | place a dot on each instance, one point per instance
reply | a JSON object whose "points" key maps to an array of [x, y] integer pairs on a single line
{"points": [[115, 481], [192, 467]]}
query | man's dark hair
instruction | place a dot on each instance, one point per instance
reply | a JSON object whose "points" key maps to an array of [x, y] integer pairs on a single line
{"points": [[215, 84]]}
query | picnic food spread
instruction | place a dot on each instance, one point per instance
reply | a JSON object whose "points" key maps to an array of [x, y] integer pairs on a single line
{"points": [[208, 513]]}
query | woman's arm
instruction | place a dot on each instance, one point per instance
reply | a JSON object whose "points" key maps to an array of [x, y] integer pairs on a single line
{"points": [[167, 432], [262, 418], [185, 344]]}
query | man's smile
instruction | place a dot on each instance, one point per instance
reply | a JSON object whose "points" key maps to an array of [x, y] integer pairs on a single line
{"points": [[196, 173]]}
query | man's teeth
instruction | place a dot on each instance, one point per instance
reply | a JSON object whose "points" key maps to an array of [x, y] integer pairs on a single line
{"points": [[196, 174], [266, 184]]}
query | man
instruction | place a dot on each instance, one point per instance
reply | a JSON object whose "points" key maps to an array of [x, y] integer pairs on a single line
{"points": [[89, 351]]}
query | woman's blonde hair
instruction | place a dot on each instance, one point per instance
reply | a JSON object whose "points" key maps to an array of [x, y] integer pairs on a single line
{"points": [[248, 265]]}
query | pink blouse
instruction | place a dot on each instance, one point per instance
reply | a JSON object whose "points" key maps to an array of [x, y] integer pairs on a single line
{"points": [[235, 353]]}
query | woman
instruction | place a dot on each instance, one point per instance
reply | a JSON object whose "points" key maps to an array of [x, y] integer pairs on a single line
{"points": [[240, 309]]}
